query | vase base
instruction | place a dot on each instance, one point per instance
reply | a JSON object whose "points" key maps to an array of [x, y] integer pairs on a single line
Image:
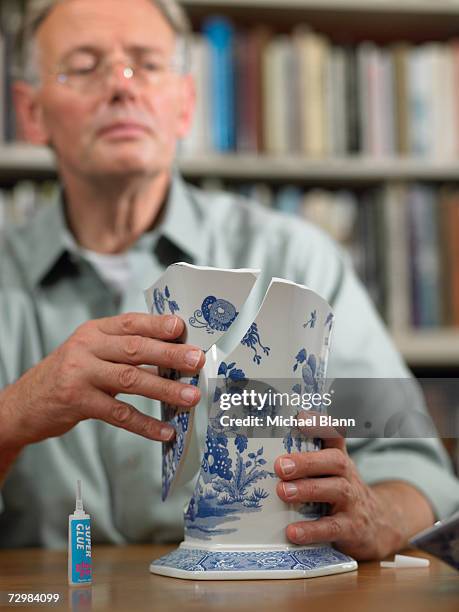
{"points": [[302, 562]]}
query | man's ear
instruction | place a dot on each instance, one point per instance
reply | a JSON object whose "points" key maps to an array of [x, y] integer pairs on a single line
{"points": [[187, 106], [29, 114]]}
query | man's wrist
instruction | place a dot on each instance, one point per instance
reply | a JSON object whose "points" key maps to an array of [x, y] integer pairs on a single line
{"points": [[405, 509]]}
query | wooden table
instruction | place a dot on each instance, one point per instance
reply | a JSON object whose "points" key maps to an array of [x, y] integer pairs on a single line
{"points": [[122, 582]]}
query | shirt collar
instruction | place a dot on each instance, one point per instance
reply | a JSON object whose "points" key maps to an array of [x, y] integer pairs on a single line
{"points": [[41, 243], [183, 221]]}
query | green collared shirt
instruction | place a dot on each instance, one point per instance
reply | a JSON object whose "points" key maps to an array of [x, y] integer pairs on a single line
{"points": [[46, 292]]}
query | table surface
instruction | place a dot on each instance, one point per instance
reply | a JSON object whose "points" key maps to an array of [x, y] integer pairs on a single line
{"points": [[122, 582]]}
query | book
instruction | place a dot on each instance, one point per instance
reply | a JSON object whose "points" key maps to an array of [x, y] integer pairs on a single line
{"points": [[198, 140], [397, 277], [400, 54], [276, 85], [424, 256], [219, 33], [312, 50]]}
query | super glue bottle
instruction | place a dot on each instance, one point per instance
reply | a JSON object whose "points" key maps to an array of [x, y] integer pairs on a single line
{"points": [[80, 561]]}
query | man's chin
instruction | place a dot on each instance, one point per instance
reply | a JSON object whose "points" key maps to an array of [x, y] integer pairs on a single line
{"points": [[128, 157], [120, 166]]}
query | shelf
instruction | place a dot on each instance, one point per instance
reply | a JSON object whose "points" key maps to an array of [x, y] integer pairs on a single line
{"points": [[429, 348], [343, 20], [17, 161], [434, 7], [285, 168]]}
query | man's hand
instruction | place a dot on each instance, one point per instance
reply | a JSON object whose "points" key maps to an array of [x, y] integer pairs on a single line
{"points": [[81, 378], [365, 522]]}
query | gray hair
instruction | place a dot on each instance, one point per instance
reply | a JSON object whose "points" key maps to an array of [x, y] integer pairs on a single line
{"points": [[26, 67]]}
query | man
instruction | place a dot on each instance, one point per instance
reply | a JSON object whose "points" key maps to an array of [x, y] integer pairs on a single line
{"points": [[108, 92]]}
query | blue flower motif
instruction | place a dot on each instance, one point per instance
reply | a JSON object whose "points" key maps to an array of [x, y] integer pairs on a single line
{"points": [[300, 358], [252, 339], [230, 372], [288, 442], [241, 443], [173, 451], [195, 380], [217, 459], [160, 299], [308, 371], [312, 320], [236, 374], [215, 314]]}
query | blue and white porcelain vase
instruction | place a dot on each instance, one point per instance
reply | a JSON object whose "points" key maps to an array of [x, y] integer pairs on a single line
{"points": [[235, 522]]}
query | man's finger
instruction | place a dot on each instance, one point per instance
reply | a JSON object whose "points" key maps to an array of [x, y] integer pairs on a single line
{"points": [[162, 327], [332, 437], [121, 414], [332, 490], [325, 462], [325, 529], [139, 350], [115, 378]]}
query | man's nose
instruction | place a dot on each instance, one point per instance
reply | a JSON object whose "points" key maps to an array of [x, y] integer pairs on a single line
{"points": [[120, 81]]}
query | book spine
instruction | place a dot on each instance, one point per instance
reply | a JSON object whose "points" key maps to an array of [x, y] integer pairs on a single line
{"points": [[220, 35]]}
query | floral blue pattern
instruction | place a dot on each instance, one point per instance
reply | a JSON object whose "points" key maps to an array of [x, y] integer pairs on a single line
{"points": [[172, 451], [161, 298], [235, 480], [252, 339], [308, 372], [214, 315], [234, 379], [196, 560], [223, 491], [310, 383]]}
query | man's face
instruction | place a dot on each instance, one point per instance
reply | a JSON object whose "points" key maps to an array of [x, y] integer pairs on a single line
{"points": [[109, 124]]}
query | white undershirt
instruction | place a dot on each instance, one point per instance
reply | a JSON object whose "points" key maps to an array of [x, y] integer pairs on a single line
{"points": [[115, 270]]}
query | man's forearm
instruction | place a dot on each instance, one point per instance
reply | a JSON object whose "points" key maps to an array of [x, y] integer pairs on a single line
{"points": [[10, 448], [405, 511]]}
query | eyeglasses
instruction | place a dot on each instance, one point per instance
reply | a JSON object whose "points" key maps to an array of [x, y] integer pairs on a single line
{"points": [[91, 77]]}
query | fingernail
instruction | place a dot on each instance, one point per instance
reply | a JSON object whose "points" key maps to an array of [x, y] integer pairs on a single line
{"points": [[290, 489], [167, 433], [287, 466], [188, 395], [192, 358], [299, 533], [170, 324]]}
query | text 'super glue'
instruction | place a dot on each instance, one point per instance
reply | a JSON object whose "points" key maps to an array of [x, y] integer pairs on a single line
{"points": [[80, 561]]}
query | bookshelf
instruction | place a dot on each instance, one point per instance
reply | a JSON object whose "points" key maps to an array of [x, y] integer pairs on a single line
{"points": [[18, 159], [348, 20], [376, 19], [433, 7]]}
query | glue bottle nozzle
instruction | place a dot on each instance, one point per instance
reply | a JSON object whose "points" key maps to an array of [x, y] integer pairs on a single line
{"points": [[79, 499]]}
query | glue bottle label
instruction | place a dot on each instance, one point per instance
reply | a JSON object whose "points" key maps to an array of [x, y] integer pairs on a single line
{"points": [[80, 546]]}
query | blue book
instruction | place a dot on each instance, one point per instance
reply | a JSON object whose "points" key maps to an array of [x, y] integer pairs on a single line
{"points": [[426, 290], [220, 34]]}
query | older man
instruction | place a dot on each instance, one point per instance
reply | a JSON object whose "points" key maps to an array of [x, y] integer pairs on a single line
{"points": [[105, 86]]}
